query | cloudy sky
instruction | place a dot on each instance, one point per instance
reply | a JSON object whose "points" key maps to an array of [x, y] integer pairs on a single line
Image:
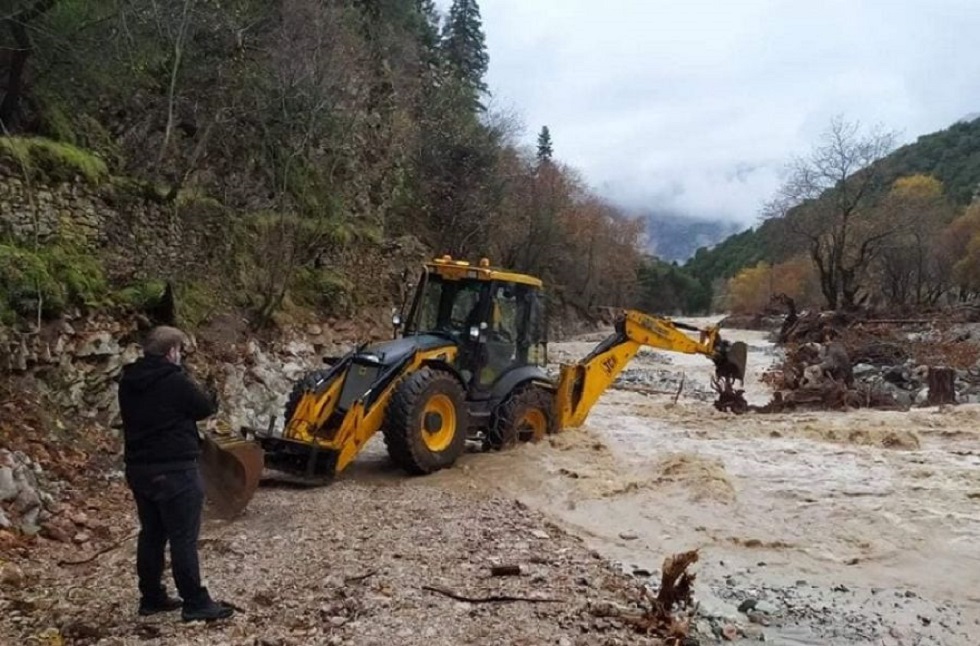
{"points": [[692, 106]]}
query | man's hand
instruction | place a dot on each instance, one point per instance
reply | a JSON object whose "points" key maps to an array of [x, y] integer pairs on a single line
{"points": [[212, 387]]}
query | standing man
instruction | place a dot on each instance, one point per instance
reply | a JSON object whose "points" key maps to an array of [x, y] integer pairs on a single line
{"points": [[160, 407]]}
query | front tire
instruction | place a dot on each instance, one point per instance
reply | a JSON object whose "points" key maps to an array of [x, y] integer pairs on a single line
{"points": [[426, 422]]}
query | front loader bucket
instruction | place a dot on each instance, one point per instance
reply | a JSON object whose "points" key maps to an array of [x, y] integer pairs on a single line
{"points": [[732, 362], [231, 469]]}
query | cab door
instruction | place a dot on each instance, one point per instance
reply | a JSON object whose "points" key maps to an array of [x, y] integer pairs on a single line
{"points": [[501, 334]]}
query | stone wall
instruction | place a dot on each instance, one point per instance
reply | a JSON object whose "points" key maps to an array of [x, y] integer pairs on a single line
{"points": [[52, 209], [138, 236]]}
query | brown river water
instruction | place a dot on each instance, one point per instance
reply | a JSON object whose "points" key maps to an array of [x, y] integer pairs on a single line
{"points": [[863, 525]]}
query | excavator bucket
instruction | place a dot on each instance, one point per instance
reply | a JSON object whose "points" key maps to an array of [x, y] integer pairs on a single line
{"points": [[231, 468], [732, 360]]}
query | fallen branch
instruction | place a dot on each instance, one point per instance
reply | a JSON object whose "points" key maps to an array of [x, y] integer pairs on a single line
{"points": [[360, 577], [99, 553], [501, 598], [680, 387]]}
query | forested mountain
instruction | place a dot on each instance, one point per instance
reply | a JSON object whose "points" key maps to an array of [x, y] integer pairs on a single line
{"points": [[317, 130], [854, 232]]}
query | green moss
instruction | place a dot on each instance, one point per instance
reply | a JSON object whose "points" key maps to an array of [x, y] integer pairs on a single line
{"points": [[92, 135], [322, 288], [24, 282], [194, 199], [55, 276], [124, 188], [57, 125], [141, 295], [79, 273], [196, 302], [52, 159]]}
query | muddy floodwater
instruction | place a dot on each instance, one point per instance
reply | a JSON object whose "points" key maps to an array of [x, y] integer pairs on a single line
{"points": [[858, 527]]}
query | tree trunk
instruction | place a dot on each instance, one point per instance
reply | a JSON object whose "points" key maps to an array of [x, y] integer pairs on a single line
{"points": [[10, 108], [941, 386], [828, 286], [10, 112]]}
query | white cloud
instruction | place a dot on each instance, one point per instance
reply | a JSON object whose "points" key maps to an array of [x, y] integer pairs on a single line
{"points": [[693, 106]]}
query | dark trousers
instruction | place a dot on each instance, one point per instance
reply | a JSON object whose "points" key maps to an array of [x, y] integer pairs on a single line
{"points": [[169, 506]]}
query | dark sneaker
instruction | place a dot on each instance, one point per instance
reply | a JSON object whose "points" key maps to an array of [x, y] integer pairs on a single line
{"points": [[211, 611], [152, 607]]}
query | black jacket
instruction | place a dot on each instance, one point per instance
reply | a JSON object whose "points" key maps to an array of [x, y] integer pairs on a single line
{"points": [[160, 407]]}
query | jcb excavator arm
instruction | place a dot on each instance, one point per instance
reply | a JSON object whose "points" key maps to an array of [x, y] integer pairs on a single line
{"points": [[581, 384]]}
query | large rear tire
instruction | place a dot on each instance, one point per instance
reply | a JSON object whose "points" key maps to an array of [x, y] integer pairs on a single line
{"points": [[426, 422], [527, 415]]}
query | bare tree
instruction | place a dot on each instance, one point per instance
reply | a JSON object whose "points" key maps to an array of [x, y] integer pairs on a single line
{"points": [[830, 200], [178, 53]]}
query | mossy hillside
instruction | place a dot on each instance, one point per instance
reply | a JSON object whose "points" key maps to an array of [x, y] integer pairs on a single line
{"points": [[39, 158], [47, 280]]}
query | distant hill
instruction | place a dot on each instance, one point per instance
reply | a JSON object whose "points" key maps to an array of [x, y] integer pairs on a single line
{"points": [[951, 156], [676, 237]]}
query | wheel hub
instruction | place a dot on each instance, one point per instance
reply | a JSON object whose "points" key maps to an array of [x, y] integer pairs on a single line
{"points": [[433, 422], [438, 423]]}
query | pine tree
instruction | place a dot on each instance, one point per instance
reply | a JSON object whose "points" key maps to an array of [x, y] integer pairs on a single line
{"points": [[545, 150], [428, 29], [465, 46]]}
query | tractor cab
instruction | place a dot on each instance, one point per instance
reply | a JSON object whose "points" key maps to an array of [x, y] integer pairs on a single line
{"points": [[495, 318]]}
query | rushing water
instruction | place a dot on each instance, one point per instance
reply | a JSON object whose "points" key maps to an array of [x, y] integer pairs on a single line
{"points": [[862, 501]]}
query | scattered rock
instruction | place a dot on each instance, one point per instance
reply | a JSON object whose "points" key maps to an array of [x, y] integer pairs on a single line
{"points": [[100, 344], [55, 532], [754, 633], [766, 607], [8, 488], [11, 575], [759, 618]]}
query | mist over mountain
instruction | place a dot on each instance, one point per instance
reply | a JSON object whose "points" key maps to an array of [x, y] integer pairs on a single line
{"points": [[674, 237]]}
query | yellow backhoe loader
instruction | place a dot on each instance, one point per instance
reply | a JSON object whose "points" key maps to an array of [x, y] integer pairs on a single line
{"points": [[469, 364]]}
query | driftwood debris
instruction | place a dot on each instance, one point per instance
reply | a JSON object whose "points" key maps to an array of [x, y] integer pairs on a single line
{"points": [[658, 616], [494, 598], [505, 570]]}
